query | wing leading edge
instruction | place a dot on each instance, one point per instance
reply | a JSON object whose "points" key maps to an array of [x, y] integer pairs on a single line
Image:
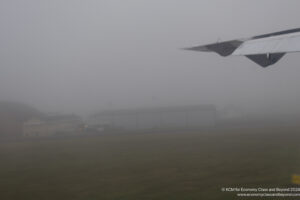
{"points": [[264, 50]]}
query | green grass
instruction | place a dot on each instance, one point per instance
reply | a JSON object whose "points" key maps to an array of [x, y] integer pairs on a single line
{"points": [[193, 165]]}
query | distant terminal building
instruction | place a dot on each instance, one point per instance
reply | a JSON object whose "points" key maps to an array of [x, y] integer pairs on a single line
{"points": [[156, 118], [12, 117], [53, 126]]}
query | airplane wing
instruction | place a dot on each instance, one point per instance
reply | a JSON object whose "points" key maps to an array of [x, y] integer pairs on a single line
{"points": [[265, 50]]}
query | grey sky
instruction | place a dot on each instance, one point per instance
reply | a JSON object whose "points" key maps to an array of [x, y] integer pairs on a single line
{"points": [[80, 56]]}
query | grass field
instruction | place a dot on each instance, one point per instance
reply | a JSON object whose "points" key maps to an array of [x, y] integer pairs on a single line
{"points": [[192, 165]]}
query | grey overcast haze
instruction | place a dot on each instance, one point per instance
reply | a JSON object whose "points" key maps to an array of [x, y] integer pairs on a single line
{"points": [[83, 56]]}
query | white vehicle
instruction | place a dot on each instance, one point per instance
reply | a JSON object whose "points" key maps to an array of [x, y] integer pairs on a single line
{"points": [[265, 50]]}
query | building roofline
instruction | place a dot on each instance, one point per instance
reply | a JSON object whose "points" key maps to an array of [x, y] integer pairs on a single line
{"points": [[156, 110]]}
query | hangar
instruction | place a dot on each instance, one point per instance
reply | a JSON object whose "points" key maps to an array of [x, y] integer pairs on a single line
{"points": [[157, 118]]}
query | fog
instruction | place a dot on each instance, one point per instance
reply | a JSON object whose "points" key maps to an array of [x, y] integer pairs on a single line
{"points": [[81, 56]]}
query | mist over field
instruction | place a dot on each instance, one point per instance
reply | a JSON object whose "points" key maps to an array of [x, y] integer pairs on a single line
{"points": [[79, 57], [99, 100]]}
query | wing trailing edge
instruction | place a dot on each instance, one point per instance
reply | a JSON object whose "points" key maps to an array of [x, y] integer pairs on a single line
{"points": [[223, 48], [264, 50]]}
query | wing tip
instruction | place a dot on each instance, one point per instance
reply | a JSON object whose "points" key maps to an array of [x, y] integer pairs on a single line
{"points": [[197, 48]]}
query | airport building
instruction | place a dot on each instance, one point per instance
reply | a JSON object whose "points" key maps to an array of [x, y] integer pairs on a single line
{"points": [[12, 117], [157, 118], [53, 126]]}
